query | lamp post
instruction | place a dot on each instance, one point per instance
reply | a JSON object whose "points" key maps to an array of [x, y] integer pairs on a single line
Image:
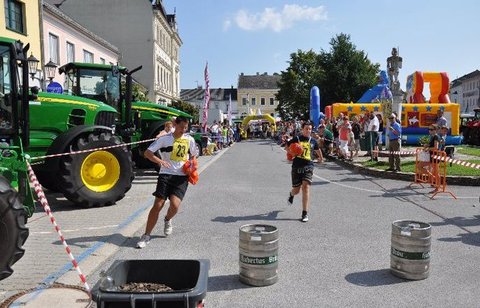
{"points": [[32, 65], [50, 68]]}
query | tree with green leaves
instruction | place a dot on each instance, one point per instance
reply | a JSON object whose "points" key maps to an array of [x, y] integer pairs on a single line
{"points": [[348, 71], [295, 84], [186, 107], [139, 92], [343, 74]]}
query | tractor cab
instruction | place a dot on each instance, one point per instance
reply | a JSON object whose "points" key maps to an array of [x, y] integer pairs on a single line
{"points": [[14, 100], [95, 81], [6, 116], [10, 88]]}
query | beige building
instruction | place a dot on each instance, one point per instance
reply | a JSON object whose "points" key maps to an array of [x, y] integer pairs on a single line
{"points": [[20, 20], [256, 93], [221, 99]]}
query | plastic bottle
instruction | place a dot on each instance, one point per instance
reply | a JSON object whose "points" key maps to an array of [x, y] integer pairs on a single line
{"points": [[106, 282]]}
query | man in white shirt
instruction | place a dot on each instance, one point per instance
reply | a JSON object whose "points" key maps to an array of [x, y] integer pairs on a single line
{"points": [[175, 149], [215, 130]]}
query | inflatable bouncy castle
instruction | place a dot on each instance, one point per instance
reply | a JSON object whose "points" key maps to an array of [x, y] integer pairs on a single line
{"points": [[417, 113]]}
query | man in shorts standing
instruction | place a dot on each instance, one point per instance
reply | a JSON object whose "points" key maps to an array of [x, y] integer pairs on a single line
{"points": [[302, 167], [175, 149]]}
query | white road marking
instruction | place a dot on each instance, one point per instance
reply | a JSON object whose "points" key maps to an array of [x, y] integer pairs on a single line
{"points": [[381, 191]]}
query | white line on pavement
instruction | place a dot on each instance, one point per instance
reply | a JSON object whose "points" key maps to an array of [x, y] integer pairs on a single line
{"points": [[382, 191]]}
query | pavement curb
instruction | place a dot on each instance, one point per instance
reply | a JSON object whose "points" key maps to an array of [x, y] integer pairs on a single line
{"points": [[405, 176]]}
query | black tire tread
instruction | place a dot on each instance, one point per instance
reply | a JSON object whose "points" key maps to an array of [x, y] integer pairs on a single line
{"points": [[12, 220]]}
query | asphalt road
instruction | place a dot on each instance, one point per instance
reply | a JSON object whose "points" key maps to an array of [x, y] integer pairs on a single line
{"points": [[340, 258]]}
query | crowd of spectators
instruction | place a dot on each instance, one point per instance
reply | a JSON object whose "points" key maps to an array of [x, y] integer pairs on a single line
{"points": [[340, 136]]}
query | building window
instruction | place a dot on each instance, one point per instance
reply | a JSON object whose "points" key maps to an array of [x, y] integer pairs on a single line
{"points": [[254, 101], [70, 52], [53, 48], [102, 60], [14, 17], [244, 101], [87, 56], [272, 101], [262, 101]]}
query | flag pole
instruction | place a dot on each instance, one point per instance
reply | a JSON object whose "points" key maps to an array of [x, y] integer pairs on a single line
{"points": [[206, 101]]}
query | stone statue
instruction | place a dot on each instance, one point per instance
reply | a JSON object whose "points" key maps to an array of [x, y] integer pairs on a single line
{"points": [[394, 63]]}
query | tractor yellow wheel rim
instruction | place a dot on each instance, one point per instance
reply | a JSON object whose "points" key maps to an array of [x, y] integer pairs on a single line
{"points": [[100, 171]]}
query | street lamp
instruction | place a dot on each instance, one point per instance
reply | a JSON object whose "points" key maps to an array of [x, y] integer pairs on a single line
{"points": [[32, 65], [50, 69]]}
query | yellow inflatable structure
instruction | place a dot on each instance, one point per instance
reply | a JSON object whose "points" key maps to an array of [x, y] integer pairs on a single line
{"points": [[417, 113], [414, 116], [258, 117]]}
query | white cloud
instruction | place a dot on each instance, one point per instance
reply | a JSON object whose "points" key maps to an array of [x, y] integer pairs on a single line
{"points": [[276, 20]]}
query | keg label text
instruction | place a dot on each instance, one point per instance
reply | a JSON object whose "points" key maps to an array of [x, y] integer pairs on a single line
{"points": [[258, 260], [411, 255]]}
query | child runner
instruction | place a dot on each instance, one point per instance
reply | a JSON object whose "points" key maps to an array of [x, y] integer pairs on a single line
{"points": [[302, 167]]}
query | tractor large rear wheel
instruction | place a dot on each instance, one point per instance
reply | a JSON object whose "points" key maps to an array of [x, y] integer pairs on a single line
{"points": [[13, 232], [48, 180], [97, 178]]}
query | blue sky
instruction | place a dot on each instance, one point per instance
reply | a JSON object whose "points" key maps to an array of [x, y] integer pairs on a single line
{"points": [[258, 36]]}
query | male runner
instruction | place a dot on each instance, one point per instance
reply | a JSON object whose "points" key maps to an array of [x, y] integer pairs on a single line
{"points": [[302, 167], [172, 182]]}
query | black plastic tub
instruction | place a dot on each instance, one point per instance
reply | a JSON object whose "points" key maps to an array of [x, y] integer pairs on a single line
{"points": [[188, 279]]}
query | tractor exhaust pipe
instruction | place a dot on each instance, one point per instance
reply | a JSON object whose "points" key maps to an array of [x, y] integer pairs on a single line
{"points": [[128, 96]]}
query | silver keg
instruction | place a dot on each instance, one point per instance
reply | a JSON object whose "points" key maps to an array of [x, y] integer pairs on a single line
{"points": [[258, 247], [410, 250]]}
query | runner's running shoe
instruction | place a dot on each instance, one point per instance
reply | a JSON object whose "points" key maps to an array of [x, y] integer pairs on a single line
{"points": [[168, 228], [144, 240], [304, 218]]}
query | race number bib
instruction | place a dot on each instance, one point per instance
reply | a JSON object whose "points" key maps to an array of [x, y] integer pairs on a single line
{"points": [[180, 150], [306, 154]]}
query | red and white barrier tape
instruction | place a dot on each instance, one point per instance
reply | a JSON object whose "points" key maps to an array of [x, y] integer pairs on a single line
{"points": [[397, 152], [457, 162], [46, 207], [448, 160], [93, 150]]}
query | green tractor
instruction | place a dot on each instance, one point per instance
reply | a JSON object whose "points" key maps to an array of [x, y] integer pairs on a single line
{"points": [[62, 124], [138, 120], [16, 199]]}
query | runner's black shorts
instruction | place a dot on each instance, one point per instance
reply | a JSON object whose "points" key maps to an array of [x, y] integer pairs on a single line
{"points": [[168, 184], [302, 174]]}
